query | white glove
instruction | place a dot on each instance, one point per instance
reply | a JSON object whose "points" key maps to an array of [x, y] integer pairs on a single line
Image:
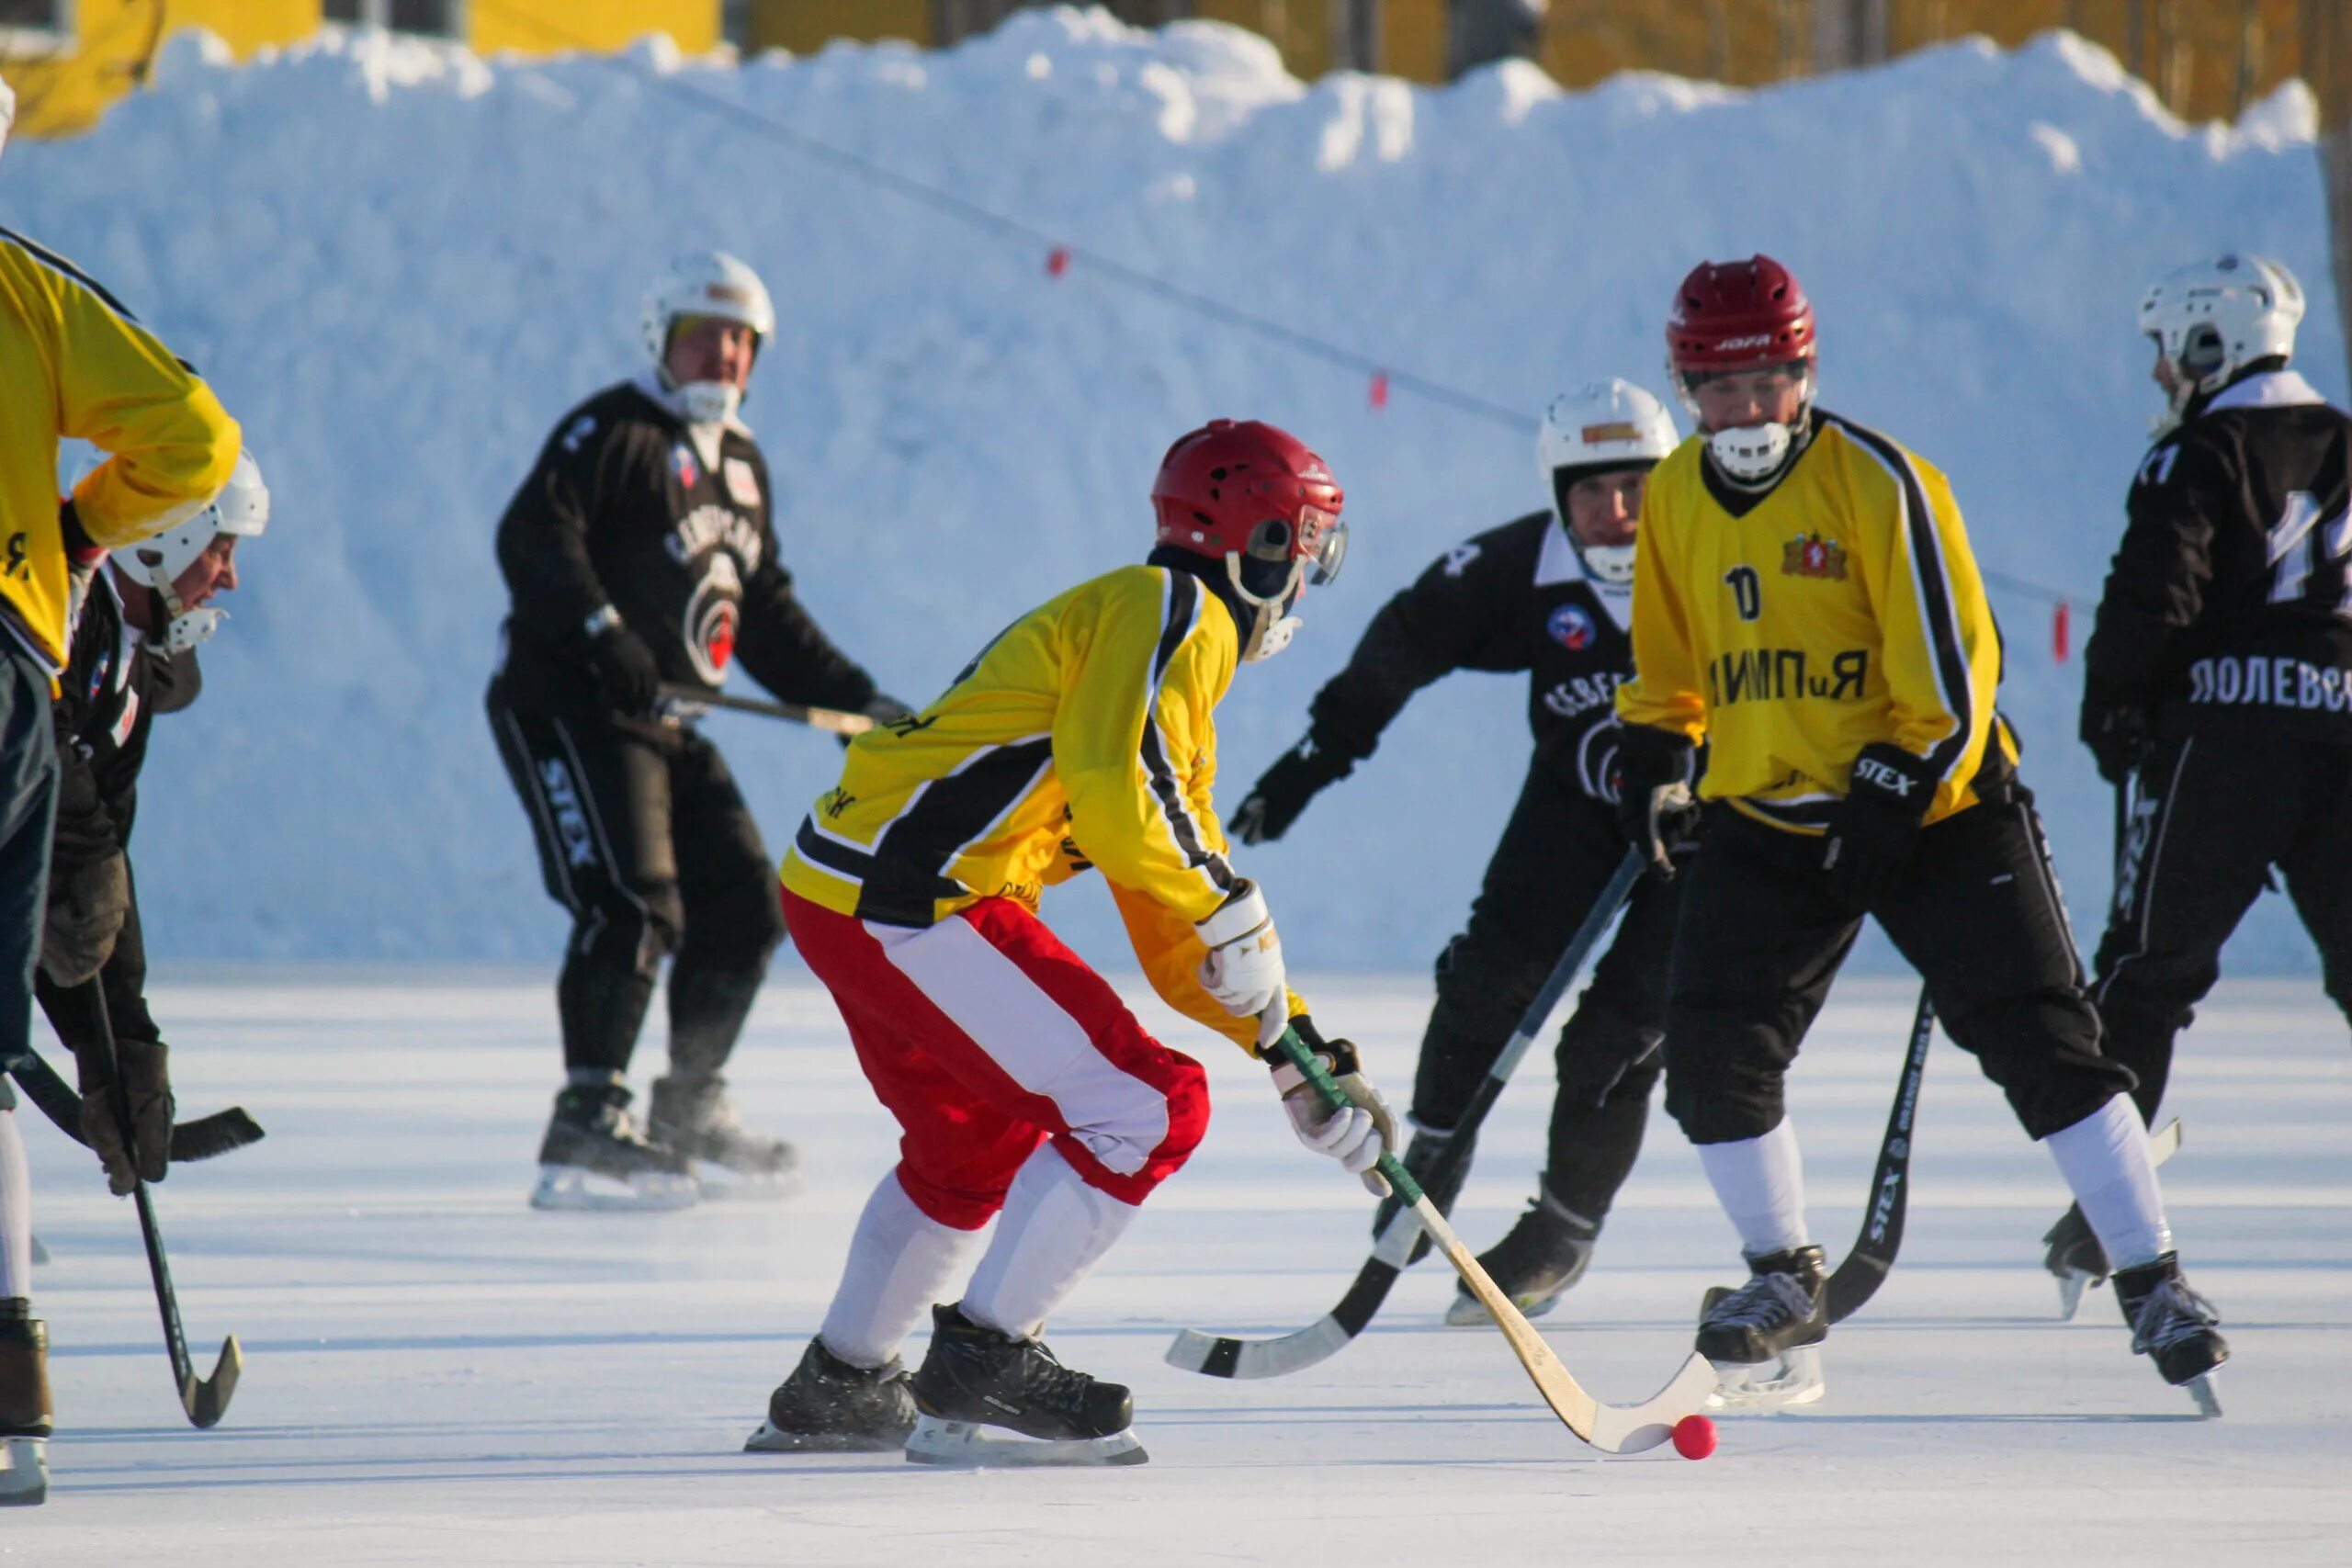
{"points": [[1357, 1136], [1244, 968]]}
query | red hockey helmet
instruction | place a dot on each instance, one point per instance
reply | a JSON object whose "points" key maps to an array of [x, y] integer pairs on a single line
{"points": [[1250, 490], [1738, 316]]}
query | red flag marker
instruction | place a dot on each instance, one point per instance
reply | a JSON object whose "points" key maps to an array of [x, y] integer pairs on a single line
{"points": [[1057, 261], [2062, 626], [1380, 389]]}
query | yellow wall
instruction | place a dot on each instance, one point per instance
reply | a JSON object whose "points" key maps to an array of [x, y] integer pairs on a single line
{"points": [[65, 92]]}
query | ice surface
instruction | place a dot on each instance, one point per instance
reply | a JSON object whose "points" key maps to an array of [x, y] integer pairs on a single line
{"points": [[437, 1375], [401, 262]]}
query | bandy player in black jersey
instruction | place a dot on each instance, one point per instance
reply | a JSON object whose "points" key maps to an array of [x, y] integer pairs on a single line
{"points": [[1550, 594], [2219, 677], [641, 553]]}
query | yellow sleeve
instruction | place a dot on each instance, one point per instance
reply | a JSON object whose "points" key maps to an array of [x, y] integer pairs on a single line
{"points": [[172, 444], [1664, 692], [1939, 649], [1171, 951], [1132, 730]]}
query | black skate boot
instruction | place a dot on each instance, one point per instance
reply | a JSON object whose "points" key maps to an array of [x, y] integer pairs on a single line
{"points": [[1535, 1264], [985, 1398], [2173, 1326], [1421, 1157], [594, 1157], [24, 1406], [697, 1118], [829, 1406], [1761, 1337]]}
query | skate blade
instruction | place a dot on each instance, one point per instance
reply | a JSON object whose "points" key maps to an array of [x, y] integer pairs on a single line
{"points": [[773, 1439], [968, 1444], [24, 1472], [718, 1183], [2071, 1286], [1468, 1313], [1790, 1380], [2209, 1403], [575, 1190]]}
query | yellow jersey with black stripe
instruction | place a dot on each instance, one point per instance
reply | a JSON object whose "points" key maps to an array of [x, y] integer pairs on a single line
{"points": [[75, 363], [1082, 736], [1789, 629]]}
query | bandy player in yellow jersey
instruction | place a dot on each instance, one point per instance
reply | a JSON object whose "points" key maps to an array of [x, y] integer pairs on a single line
{"points": [[1807, 605], [1081, 736]]}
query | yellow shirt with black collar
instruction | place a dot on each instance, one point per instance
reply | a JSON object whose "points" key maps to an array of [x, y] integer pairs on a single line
{"points": [[1787, 632], [1081, 737]]}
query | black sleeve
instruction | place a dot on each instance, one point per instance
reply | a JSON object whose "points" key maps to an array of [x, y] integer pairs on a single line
{"points": [[174, 680], [543, 538], [1446, 621], [787, 651], [87, 829], [2156, 585]]}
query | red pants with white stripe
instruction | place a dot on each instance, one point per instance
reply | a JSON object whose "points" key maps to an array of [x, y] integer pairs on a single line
{"points": [[985, 1036]]}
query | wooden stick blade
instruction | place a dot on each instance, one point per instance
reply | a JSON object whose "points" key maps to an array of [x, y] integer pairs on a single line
{"points": [[208, 1401]]}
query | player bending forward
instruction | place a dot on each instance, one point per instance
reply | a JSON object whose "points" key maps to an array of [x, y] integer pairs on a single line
{"points": [[1081, 735], [1549, 594], [1805, 601]]}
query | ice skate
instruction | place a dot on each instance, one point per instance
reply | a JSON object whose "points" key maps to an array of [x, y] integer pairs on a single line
{"points": [[2173, 1326], [1535, 1264], [2074, 1258], [726, 1159], [1763, 1336], [594, 1157], [1421, 1157], [987, 1399], [24, 1409], [829, 1406]]}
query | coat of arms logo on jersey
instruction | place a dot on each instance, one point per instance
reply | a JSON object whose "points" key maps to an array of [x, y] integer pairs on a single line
{"points": [[1571, 627], [712, 619], [683, 464], [1810, 555]]}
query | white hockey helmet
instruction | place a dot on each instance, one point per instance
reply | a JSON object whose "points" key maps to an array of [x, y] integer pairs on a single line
{"points": [[1608, 425], [708, 283], [2212, 317], [241, 508]]}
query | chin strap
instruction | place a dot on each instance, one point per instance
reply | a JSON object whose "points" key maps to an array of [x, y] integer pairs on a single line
{"points": [[1270, 630]]}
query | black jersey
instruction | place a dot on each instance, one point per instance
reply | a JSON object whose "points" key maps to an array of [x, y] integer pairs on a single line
{"points": [[1513, 598], [2229, 597], [628, 507], [116, 681]]}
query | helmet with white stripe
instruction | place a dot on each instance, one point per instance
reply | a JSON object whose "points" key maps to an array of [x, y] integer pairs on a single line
{"points": [[713, 285]]}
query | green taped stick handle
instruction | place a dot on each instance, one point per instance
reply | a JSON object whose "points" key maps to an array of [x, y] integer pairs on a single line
{"points": [[1391, 1168]]}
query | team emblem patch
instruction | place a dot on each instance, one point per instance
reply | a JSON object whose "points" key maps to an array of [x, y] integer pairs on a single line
{"points": [[712, 619], [683, 464], [1571, 627], [1810, 555]]}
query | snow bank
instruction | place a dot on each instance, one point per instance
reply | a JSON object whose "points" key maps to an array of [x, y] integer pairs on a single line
{"points": [[399, 264]]}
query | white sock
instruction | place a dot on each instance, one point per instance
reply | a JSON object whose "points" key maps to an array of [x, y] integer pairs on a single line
{"points": [[1054, 1230], [900, 1262], [2104, 1157], [16, 1212], [1760, 1184]]}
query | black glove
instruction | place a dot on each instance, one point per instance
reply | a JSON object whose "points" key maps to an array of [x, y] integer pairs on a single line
{"points": [[1280, 793], [1871, 831], [629, 678], [2118, 736], [146, 1075], [1654, 809], [87, 903]]}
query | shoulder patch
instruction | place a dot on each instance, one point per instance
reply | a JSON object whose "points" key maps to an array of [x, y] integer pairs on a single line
{"points": [[742, 483]]}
